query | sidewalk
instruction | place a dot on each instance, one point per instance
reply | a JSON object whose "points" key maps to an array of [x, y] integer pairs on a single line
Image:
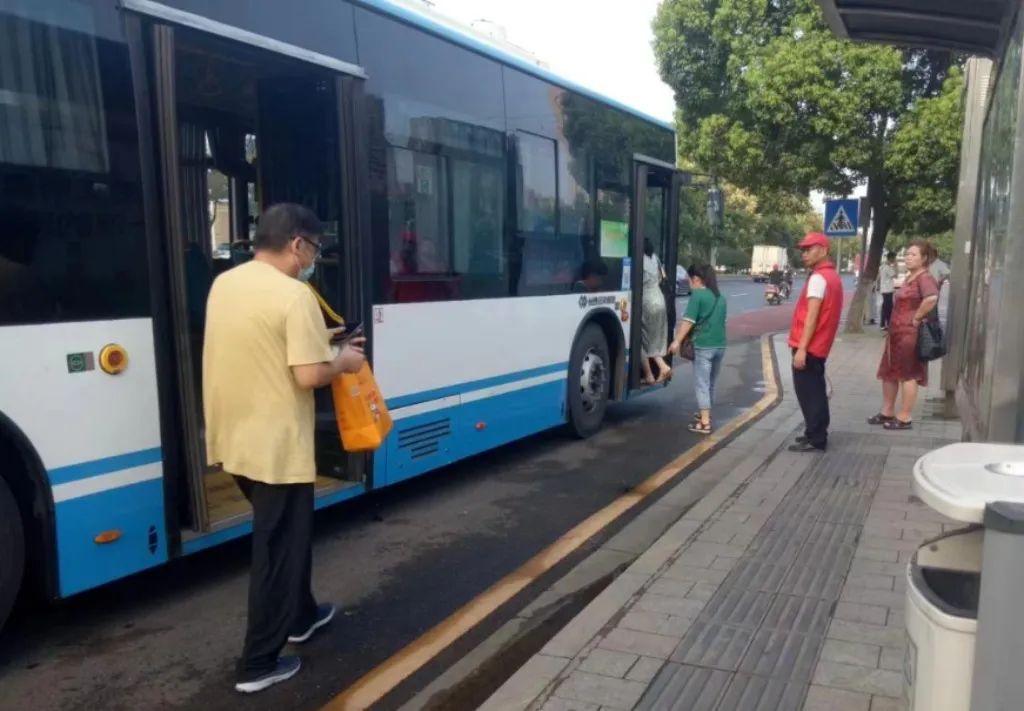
{"points": [[782, 589]]}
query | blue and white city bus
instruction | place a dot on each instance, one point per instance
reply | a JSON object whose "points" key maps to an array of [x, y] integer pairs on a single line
{"points": [[463, 189]]}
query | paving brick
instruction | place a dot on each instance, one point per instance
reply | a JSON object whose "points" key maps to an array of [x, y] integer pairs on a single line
{"points": [[557, 704], [872, 540], [718, 549], [755, 693], [671, 587], [641, 643], [680, 687], [700, 559], [868, 596], [702, 591], [692, 573], [608, 663], [656, 623], [874, 567], [884, 555], [823, 698], [601, 690], [645, 669], [866, 634], [874, 582], [680, 607], [884, 703], [724, 564], [714, 645], [782, 655], [860, 679], [862, 655], [526, 684], [892, 658], [856, 612]]}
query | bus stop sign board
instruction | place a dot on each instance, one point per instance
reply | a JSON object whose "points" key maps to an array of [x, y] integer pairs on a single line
{"points": [[841, 217]]}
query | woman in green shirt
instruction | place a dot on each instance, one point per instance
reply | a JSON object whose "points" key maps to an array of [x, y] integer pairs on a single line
{"points": [[705, 320]]}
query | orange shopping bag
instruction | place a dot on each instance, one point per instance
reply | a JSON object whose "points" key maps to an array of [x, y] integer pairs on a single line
{"points": [[363, 419]]}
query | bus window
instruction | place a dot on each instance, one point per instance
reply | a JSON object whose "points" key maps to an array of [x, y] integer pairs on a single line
{"points": [[72, 240]]}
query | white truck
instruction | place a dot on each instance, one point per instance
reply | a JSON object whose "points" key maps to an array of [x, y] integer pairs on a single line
{"points": [[764, 258]]}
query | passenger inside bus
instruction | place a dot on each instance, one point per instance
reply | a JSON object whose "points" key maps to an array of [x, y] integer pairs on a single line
{"points": [[592, 276]]}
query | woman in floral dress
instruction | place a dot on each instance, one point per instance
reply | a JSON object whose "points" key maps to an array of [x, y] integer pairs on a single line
{"points": [[900, 368]]}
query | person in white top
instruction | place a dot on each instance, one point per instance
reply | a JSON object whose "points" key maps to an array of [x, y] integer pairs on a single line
{"points": [[939, 270], [887, 286]]}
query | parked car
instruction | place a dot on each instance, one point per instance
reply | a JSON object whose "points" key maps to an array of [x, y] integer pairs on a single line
{"points": [[682, 282]]}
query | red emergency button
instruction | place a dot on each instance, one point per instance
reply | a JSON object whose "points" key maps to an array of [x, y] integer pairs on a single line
{"points": [[113, 359]]}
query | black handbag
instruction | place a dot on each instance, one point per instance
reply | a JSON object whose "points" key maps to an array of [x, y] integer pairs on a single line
{"points": [[931, 344]]}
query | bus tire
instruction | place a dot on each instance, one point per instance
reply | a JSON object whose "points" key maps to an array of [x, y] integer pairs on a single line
{"points": [[590, 377], [12, 551]]}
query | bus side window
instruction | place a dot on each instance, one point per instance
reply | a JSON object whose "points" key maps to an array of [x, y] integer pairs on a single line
{"points": [[73, 242]]}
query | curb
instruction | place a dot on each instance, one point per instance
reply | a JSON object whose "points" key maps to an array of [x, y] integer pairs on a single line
{"points": [[388, 676]]}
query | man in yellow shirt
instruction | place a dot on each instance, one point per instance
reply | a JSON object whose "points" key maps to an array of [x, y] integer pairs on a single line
{"points": [[266, 349]]}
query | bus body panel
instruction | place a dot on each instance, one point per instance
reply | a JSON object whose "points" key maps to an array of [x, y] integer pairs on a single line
{"points": [[458, 385], [98, 439], [99, 436]]}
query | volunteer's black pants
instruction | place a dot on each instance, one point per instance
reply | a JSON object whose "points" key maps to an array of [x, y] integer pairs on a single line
{"points": [[281, 600], [886, 309], [812, 393]]}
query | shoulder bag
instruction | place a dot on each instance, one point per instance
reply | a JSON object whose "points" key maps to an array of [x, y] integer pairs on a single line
{"points": [[931, 343], [686, 347]]}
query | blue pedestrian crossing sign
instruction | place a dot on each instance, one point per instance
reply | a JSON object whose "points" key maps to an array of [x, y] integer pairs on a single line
{"points": [[841, 217]]}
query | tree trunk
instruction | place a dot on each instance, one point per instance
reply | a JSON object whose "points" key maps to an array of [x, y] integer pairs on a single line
{"points": [[869, 272]]}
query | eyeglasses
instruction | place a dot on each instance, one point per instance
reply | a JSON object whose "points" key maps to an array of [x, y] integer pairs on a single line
{"points": [[315, 245]]}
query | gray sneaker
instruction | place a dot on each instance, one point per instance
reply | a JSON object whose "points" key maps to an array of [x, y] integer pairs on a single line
{"points": [[324, 614], [286, 668]]}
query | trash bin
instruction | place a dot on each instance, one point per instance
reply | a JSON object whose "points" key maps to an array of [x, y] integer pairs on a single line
{"points": [[965, 627], [943, 581]]}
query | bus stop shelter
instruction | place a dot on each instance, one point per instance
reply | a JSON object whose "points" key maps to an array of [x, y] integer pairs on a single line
{"points": [[982, 373], [978, 27]]}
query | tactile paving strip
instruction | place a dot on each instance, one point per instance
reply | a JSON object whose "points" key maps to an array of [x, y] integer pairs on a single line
{"points": [[760, 634], [679, 687]]}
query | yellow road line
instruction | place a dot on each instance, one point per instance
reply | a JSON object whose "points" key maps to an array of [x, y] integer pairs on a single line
{"points": [[381, 680]]}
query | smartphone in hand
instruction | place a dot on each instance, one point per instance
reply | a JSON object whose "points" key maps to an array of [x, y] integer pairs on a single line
{"points": [[351, 331]]}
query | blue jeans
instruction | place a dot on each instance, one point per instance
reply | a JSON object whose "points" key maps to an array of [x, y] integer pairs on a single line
{"points": [[707, 363]]}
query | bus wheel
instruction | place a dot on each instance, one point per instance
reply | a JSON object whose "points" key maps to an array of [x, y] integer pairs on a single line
{"points": [[12, 551], [589, 381]]}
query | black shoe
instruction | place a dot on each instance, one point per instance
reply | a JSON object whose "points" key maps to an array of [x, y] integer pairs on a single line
{"points": [[324, 614], [802, 439], [286, 668], [804, 447]]}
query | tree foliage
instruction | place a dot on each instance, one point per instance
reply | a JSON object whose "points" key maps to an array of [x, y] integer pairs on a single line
{"points": [[770, 99]]}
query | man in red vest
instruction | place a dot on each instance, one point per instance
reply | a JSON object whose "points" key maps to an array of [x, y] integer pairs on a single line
{"points": [[815, 323]]}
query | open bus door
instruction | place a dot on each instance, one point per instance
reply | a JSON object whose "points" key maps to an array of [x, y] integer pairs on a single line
{"points": [[244, 123], [654, 216]]}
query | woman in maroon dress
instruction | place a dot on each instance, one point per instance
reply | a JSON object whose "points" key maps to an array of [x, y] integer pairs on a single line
{"points": [[900, 366]]}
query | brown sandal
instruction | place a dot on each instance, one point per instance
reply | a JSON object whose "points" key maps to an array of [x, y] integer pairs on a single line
{"points": [[700, 428], [880, 419]]}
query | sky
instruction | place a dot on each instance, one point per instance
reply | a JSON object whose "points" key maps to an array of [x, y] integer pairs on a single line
{"points": [[603, 46]]}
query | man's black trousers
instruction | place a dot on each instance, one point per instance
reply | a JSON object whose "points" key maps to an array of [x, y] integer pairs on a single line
{"points": [[281, 600], [812, 393]]}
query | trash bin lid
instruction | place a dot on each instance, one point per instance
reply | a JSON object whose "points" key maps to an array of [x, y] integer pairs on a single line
{"points": [[958, 480]]}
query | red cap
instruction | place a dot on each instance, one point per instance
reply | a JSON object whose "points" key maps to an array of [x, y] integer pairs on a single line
{"points": [[814, 239]]}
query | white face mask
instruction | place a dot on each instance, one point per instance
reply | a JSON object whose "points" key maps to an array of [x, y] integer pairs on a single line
{"points": [[306, 273]]}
